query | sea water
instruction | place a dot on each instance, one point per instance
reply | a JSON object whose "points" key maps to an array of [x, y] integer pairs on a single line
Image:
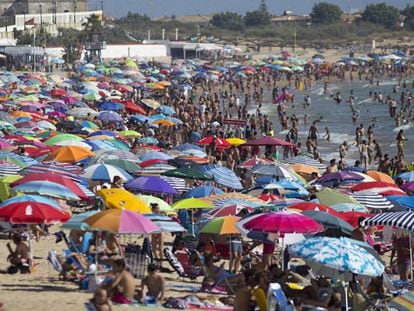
{"points": [[338, 117]]}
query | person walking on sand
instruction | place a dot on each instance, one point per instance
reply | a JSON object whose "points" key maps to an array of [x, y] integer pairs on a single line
{"points": [[400, 143]]}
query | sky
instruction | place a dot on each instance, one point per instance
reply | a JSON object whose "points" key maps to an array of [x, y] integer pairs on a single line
{"points": [[156, 8]]}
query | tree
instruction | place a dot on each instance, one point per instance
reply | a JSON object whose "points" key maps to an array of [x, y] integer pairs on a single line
{"points": [[325, 13], [93, 24], [408, 12], [228, 20], [381, 14], [257, 18], [263, 6]]}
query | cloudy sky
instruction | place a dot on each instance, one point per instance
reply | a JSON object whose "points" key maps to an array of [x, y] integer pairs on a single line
{"points": [[155, 8]]}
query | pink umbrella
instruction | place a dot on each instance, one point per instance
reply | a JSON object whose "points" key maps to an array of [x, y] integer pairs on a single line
{"points": [[57, 114], [283, 222], [230, 210], [5, 144], [121, 221], [253, 162]]}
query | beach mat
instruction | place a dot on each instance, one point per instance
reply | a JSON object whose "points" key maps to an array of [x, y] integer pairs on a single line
{"points": [[405, 302]]}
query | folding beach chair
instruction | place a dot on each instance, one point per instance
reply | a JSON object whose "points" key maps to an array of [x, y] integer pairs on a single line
{"points": [[277, 300], [137, 264]]}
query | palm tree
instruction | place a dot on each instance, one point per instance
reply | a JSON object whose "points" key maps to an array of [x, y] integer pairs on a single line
{"points": [[93, 24]]}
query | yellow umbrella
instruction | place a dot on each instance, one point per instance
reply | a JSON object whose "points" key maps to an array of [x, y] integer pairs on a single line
{"points": [[191, 203], [165, 83], [158, 86], [234, 141], [123, 199], [130, 133]]}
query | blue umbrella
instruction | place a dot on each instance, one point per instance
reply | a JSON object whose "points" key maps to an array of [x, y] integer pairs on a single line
{"points": [[111, 106], [188, 146], [76, 222], [340, 254], [407, 176], [150, 184], [100, 145], [165, 223], [403, 200], [223, 176], [103, 132], [139, 118], [105, 172], [155, 155], [148, 140], [109, 116], [47, 188], [30, 198], [166, 110], [202, 191]]}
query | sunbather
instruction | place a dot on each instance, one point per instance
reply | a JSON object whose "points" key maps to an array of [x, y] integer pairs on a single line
{"points": [[152, 286], [122, 287], [19, 257]]}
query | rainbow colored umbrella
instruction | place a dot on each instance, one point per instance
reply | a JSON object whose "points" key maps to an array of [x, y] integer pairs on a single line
{"points": [[222, 226]]}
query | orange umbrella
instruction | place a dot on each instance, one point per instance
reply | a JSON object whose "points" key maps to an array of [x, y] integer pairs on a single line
{"points": [[222, 225], [164, 122], [70, 154], [378, 176], [303, 169], [158, 86]]}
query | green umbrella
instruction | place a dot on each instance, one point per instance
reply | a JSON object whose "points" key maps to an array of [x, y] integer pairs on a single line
{"points": [[126, 165], [92, 97], [330, 221], [13, 160], [118, 144], [191, 204], [7, 125], [148, 199], [331, 197], [186, 172], [60, 137]]}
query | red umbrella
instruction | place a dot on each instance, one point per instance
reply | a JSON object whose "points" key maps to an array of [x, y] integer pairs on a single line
{"points": [[56, 178], [268, 141], [269, 197], [311, 206], [32, 213], [58, 93], [151, 162], [220, 142], [230, 210], [372, 184], [352, 217], [254, 161], [283, 222], [131, 107]]}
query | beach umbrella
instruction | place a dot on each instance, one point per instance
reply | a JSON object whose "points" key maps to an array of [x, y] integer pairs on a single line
{"points": [[403, 302], [349, 207], [82, 112], [109, 116], [77, 221], [126, 165], [149, 199], [330, 221], [305, 160], [312, 206], [339, 176], [372, 200], [62, 137], [374, 186], [130, 133], [219, 142], [378, 176], [105, 172], [71, 154], [166, 110], [304, 169], [230, 210], [353, 217], [150, 184], [338, 253], [250, 163], [151, 103], [165, 223], [54, 168], [72, 143], [202, 191], [223, 176], [30, 198], [333, 197], [402, 200], [123, 199], [121, 222], [275, 170], [408, 186], [222, 226], [283, 222], [402, 220], [407, 176], [191, 203], [56, 178], [8, 168], [234, 141], [268, 141], [47, 188], [188, 146], [30, 212], [187, 172], [155, 155]]}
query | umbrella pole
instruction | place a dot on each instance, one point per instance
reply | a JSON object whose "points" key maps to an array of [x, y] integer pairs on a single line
{"points": [[411, 259], [283, 253], [30, 253], [346, 296], [231, 255]]}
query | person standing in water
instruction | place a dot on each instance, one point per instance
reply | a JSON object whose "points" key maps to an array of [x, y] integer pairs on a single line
{"points": [[400, 143]]}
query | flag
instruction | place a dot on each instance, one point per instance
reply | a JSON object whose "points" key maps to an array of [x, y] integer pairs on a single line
{"points": [[30, 22]]}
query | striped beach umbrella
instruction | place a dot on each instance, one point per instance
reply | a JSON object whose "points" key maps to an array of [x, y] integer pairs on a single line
{"points": [[372, 200]]}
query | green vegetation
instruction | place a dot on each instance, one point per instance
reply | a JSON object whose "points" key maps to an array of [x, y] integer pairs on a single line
{"points": [[228, 20], [325, 13], [408, 12], [382, 14], [257, 18]]}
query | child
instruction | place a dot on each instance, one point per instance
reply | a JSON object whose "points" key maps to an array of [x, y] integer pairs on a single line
{"points": [[152, 286], [100, 300]]}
